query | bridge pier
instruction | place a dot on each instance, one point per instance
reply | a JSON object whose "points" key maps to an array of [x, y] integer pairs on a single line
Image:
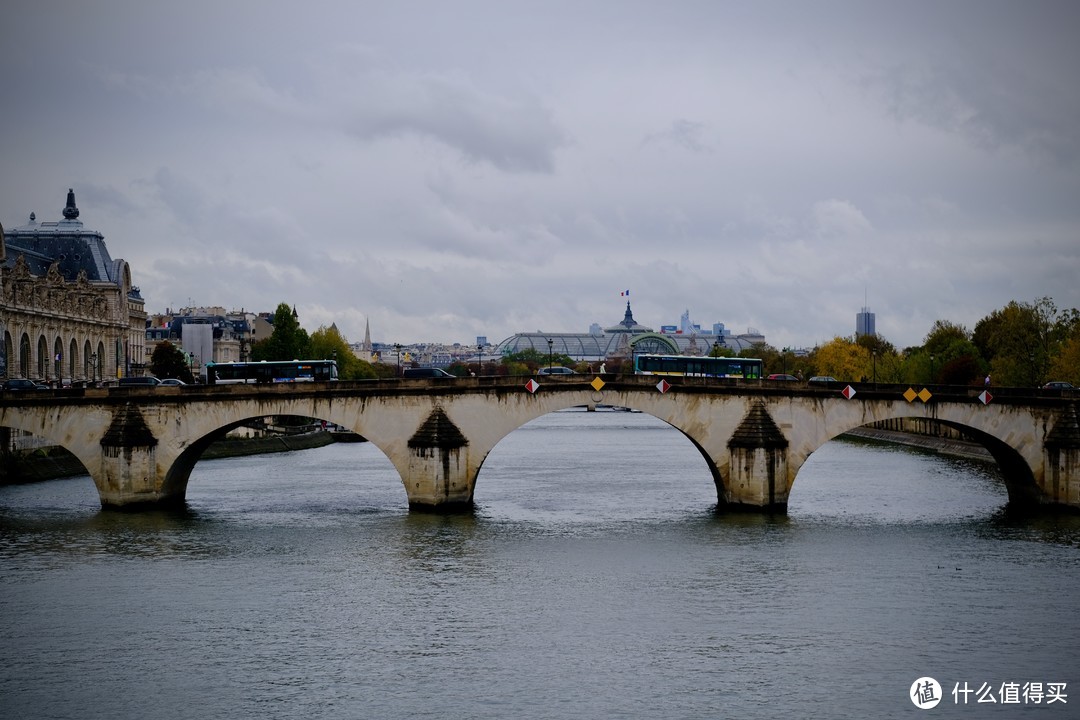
{"points": [[1061, 460], [128, 473], [438, 475], [757, 480], [438, 480], [758, 466]]}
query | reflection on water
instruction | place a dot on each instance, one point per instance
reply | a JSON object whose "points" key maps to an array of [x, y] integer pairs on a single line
{"points": [[594, 579]]}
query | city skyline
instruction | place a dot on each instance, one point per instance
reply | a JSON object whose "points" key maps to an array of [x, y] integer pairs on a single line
{"points": [[528, 163]]}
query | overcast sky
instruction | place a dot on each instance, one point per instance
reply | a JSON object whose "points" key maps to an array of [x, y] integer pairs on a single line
{"points": [[449, 169]]}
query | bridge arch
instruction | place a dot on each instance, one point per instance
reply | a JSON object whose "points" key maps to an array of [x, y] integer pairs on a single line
{"points": [[1016, 468], [567, 403], [46, 429]]}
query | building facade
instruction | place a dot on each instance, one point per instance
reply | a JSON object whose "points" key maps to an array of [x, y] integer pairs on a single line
{"points": [[625, 339], [208, 334], [864, 323], [69, 313]]}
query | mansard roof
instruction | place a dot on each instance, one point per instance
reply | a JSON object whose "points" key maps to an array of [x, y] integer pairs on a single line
{"points": [[66, 242]]}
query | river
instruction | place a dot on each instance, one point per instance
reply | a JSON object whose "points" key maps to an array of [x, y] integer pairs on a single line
{"points": [[593, 580]]}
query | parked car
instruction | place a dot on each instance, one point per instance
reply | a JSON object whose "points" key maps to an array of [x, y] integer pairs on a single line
{"points": [[822, 379], [138, 380], [20, 384], [428, 372], [783, 376], [172, 381], [1058, 385], [555, 370]]}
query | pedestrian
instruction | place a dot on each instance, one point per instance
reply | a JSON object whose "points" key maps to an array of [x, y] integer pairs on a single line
{"points": [[986, 382], [603, 368]]}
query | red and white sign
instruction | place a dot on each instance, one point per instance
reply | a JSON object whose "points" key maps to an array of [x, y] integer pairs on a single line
{"points": [[986, 397], [532, 386], [663, 386], [848, 392]]}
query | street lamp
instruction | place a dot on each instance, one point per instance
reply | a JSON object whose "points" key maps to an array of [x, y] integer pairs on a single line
{"points": [[93, 367], [397, 347], [551, 343], [874, 354], [715, 348], [931, 368], [480, 362]]}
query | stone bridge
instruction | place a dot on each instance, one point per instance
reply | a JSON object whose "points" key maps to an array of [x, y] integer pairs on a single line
{"points": [[140, 444]]}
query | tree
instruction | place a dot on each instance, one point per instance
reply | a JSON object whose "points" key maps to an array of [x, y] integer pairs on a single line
{"points": [[844, 359], [1065, 365], [527, 361], [169, 361], [327, 343], [289, 341], [1020, 340], [947, 356]]}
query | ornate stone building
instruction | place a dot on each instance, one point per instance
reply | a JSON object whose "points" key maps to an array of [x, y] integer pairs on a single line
{"points": [[68, 311]]}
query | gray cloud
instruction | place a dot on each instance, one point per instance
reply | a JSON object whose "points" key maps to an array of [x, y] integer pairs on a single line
{"points": [[451, 170]]}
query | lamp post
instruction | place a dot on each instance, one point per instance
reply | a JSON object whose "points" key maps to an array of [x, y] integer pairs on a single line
{"points": [[551, 343], [873, 353], [397, 347], [93, 368], [931, 368], [480, 362], [715, 348]]}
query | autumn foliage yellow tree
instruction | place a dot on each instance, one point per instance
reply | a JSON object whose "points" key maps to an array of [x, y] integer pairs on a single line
{"points": [[843, 359]]}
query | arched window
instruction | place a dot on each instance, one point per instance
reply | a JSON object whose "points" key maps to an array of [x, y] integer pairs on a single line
{"points": [[101, 361], [73, 359], [58, 358], [88, 361], [42, 358], [24, 356], [9, 356]]}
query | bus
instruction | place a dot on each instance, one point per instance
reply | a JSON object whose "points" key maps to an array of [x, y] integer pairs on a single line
{"points": [[271, 371], [685, 365]]}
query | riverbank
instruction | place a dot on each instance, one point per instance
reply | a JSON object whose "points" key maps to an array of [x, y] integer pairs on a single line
{"points": [[943, 446], [51, 462]]}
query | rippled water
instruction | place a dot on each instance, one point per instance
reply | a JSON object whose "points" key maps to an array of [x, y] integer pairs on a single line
{"points": [[593, 580]]}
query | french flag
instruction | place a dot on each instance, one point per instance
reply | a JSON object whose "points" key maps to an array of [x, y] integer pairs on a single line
{"points": [[625, 293]]}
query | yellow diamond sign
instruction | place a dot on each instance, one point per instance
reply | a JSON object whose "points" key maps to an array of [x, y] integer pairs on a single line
{"points": [[925, 395], [597, 383], [910, 395]]}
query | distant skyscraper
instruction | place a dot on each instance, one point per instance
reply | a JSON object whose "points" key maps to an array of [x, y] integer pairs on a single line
{"points": [[864, 323]]}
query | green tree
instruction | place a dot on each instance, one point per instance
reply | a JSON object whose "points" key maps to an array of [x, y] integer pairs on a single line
{"points": [[1020, 340], [169, 361], [327, 343], [289, 341], [527, 361], [947, 356]]}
